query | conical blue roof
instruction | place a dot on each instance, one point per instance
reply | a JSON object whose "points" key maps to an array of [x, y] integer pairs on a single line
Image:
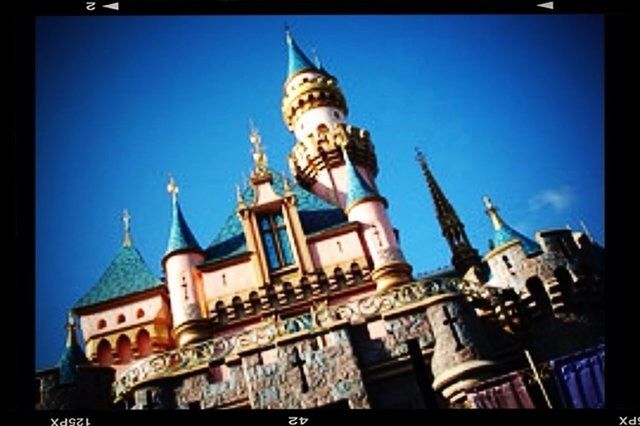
{"points": [[127, 274], [506, 234], [71, 358], [357, 187], [298, 61], [180, 236]]}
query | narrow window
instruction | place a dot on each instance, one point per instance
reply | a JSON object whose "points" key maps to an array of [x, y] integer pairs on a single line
{"points": [[275, 240]]}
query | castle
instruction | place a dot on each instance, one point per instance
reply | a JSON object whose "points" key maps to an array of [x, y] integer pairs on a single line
{"points": [[305, 298]]}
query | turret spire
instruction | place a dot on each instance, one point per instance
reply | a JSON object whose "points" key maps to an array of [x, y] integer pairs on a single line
{"points": [[180, 236], [492, 212], [464, 255], [73, 355], [358, 189]]}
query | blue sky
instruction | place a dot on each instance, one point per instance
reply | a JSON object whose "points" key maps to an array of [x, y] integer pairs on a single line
{"points": [[509, 106]]}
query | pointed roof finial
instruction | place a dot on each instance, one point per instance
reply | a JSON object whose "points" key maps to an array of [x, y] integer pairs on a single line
{"points": [[259, 156], [172, 188], [71, 330], [126, 221], [492, 211], [286, 185]]}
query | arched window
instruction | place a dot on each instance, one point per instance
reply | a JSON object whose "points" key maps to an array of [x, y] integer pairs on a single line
{"points": [[105, 357], [356, 273], [336, 115], [123, 347], [256, 306], [289, 293], [323, 282], [221, 312], [102, 324], [322, 128], [121, 318], [305, 287], [140, 313], [539, 294], [275, 240], [565, 283], [238, 307], [143, 343], [341, 280]]}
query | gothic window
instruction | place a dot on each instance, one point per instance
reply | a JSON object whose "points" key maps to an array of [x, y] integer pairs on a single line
{"points": [[123, 346], [102, 324], [143, 342], [238, 307], [104, 353], [255, 302], [275, 240], [121, 319]]}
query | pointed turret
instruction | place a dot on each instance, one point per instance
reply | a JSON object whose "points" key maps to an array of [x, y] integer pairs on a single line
{"points": [[358, 189], [180, 236], [179, 262], [464, 256], [504, 234], [298, 61], [73, 355]]}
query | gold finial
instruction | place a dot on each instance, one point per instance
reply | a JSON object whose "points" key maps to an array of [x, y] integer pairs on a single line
{"points": [[259, 156], [126, 221], [172, 188], [71, 329], [492, 211]]}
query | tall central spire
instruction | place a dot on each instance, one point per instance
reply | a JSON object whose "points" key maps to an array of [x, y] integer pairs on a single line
{"points": [[464, 255]]}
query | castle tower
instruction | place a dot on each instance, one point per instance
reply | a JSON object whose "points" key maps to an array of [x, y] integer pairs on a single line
{"points": [[73, 355], [337, 162], [183, 279], [464, 256]]}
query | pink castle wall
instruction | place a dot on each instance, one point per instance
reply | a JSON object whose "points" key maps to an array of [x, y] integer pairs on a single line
{"points": [[152, 307], [183, 307], [326, 253], [378, 232], [238, 277]]}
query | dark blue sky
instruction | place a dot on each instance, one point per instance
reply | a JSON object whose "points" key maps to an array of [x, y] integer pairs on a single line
{"points": [[509, 106]]}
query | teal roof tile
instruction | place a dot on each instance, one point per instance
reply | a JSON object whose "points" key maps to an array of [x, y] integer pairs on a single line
{"points": [[180, 236], [127, 274], [357, 187], [506, 234], [71, 358], [315, 215], [298, 61]]}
